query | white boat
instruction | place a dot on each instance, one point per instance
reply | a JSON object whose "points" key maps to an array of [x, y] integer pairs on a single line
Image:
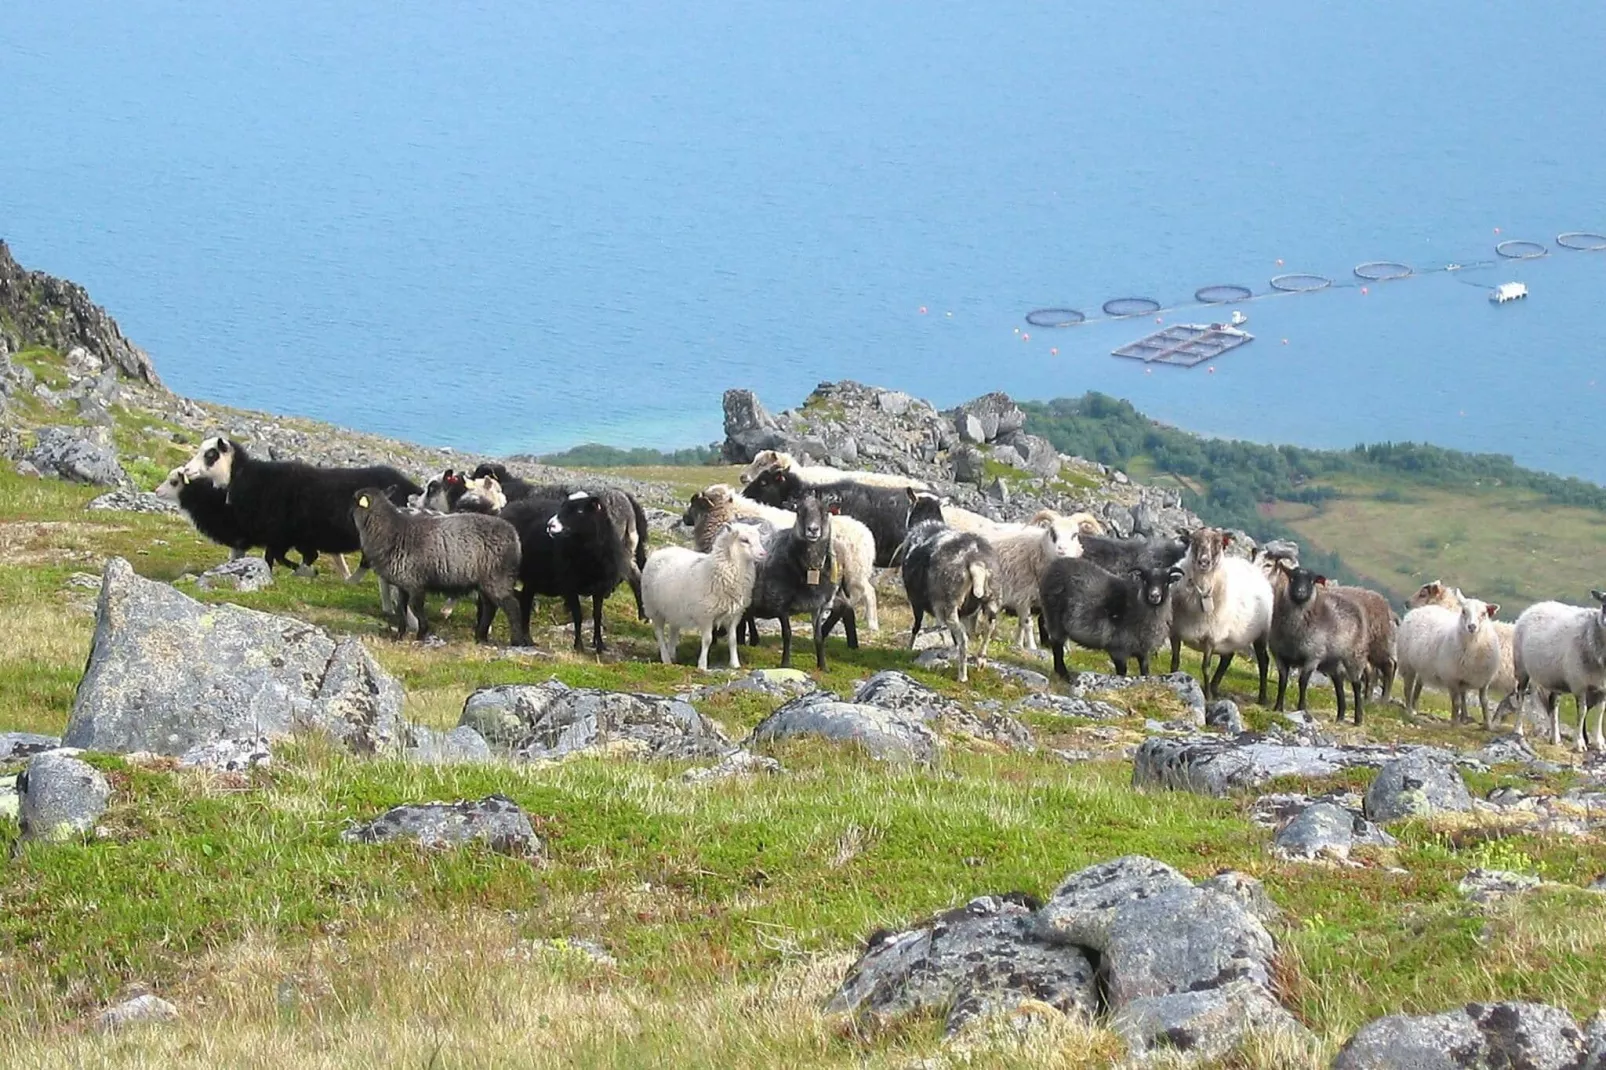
{"points": [[1508, 291]]}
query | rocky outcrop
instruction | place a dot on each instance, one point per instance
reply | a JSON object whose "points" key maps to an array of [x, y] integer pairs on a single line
{"points": [[167, 673], [82, 455], [46, 311], [1479, 1036], [1211, 765], [1415, 786], [1327, 830], [495, 820], [60, 797], [552, 720], [25, 744], [462, 744], [129, 500]]}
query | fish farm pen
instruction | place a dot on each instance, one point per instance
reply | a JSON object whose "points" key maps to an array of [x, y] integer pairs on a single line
{"points": [[1185, 344]]}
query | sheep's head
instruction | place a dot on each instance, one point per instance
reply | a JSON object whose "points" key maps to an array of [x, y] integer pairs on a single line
{"points": [[1474, 613], [580, 511], [168, 489], [1431, 594], [813, 518], [1205, 547], [923, 506], [489, 468], [214, 461], [762, 461], [743, 540], [771, 486], [1154, 584], [1302, 583], [365, 501]]}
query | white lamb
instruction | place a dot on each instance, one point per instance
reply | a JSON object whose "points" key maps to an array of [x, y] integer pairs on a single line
{"points": [[1457, 650], [764, 460], [682, 588], [1223, 606], [1024, 553], [1505, 681], [1560, 648]]}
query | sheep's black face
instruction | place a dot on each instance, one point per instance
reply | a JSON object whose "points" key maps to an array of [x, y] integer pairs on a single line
{"points": [[1302, 583], [924, 507], [697, 508], [813, 522], [769, 488], [1155, 583]]}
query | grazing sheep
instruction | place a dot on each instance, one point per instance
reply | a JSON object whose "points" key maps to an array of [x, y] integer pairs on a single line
{"points": [[953, 575], [814, 475], [884, 510], [1505, 681], [799, 574], [852, 545], [208, 509], [419, 553], [1382, 624], [684, 589], [1024, 554], [284, 504], [1312, 629], [1127, 615], [569, 550], [1222, 606], [1559, 648], [1453, 649]]}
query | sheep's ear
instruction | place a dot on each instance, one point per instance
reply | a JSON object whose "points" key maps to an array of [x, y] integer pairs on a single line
{"points": [[1226, 537], [1322, 580], [1493, 608], [1175, 575], [1137, 574], [913, 495], [1599, 596]]}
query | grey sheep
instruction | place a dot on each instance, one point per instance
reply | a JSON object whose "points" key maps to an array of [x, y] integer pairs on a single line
{"points": [[1312, 628], [953, 575], [422, 552], [1126, 615]]}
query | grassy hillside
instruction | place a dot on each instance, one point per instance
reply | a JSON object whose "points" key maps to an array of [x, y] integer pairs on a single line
{"points": [[1394, 515]]}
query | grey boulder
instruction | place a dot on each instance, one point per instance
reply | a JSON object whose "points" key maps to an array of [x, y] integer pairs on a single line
{"points": [[141, 1010], [243, 574], [552, 720], [60, 797], [229, 755], [1213, 765], [1223, 714], [461, 744], [1325, 829], [901, 693], [890, 735], [984, 958], [495, 820], [1415, 786], [25, 744], [128, 500], [68, 453], [166, 673], [738, 762], [1496, 1036], [1185, 687]]}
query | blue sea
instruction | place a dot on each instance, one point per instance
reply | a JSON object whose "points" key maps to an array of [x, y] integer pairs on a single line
{"points": [[516, 227]]}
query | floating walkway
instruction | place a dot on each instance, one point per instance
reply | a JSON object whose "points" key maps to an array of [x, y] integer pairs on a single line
{"points": [[1185, 344]]}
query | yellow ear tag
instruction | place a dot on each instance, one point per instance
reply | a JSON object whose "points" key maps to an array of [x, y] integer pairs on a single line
{"points": [[836, 572], [363, 501]]}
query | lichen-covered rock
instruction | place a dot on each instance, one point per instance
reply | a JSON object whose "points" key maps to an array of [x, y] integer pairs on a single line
{"points": [[901, 693], [1415, 786], [141, 1010], [891, 735], [738, 762], [495, 819], [166, 673], [982, 959], [69, 453], [1065, 706], [461, 744], [748, 427], [25, 744], [1324, 829], [1223, 714], [552, 720], [48, 311], [1213, 765], [1496, 1036], [229, 755], [244, 574], [60, 797], [1486, 885], [1185, 687]]}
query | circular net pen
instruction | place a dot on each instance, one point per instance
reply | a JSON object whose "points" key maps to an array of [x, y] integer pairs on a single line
{"points": [[1222, 294], [1300, 283], [1517, 249], [1383, 270], [1582, 240], [1054, 317], [1121, 307]]}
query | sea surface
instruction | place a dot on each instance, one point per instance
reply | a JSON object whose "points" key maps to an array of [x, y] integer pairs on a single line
{"points": [[516, 227]]}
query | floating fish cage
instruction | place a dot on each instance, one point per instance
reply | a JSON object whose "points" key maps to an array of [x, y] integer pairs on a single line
{"points": [[1185, 344]]}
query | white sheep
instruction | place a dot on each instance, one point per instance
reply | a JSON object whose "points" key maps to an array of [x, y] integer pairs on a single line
{"points": [[812, 474], [852, 544], [1024, 553], [1223, 606], [1457, 650], [1559, 648], [684, 589], [1438, 594]]}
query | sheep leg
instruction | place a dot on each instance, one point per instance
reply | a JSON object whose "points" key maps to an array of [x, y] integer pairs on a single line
{"points": [[362, 568], [992, 626], [1176, 657], [1598, 740], [1282, 684], [235, 553], [415, 614], [1223, 663], [633, 577], [345, 569], [518, 634], [664, 653], [1389, 668], [961, 640], [730, 641], [1410, 689], [786, 641], [1304, 684], [1118, 664], [1059, 659], [1263, 659], [485, 613], [1483, 701], [914, 633], [526, 607], [850, 623], [707, 635], [819, 637], [1023, 633], [306, 570], [1143, 665], [1552, 700], [1338, 689], [1582, 745], [1042, 630], [860, 591]]}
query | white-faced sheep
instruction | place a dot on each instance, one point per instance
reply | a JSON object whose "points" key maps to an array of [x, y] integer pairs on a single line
{"points": [[1126, 615], [1222, 606], [452, 492], [950, 574], [817, 474], [284, 504], [852, 545], [1024, 553], [417, 553], [1312, 629], [1561, 649], [687, 590], [1457, 650], [1436, 593]]}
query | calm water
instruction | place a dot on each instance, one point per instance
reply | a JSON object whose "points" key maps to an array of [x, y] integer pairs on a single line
{"points": [[516, 227]]}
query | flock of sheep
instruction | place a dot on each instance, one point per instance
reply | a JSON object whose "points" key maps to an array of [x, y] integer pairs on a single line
{"points": [[801, 539]]}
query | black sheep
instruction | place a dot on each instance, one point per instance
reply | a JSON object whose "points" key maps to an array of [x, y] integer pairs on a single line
{"points": [[1122, 555], [569, 550], [281, 505], [1126, 615], [799, 574], [884, 510]]}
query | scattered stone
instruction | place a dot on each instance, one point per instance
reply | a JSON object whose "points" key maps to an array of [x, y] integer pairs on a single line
{"points": [[229, 755], [1515, 750], [984, 958], [25, 744], [1223, 714], [60, 797], [141, 1010], [551, 720], [777, 683], [1213, 765], [1030, 679], [1064, 706], [890, 735], [1486, 885], [243, 574], [1415, 786], [462, 744], [495, 819], [167, 672], [571, 947], [1186, 687], [26, 469], [738, 762], [969, 464], [129, 500], [1324, 830], [1497, 1036], [899, 692], [70, 453]]}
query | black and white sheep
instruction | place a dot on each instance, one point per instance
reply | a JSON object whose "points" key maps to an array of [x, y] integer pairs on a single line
{"points": [[1120, 556], [884, 510], [208, 509], [283, 504], [513, 487], [452, 492], [685, 590], [799, 574], [953, 575], [1311, 629], [1127, 615], [417, 553], [1222, 606], [570, 550]]}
